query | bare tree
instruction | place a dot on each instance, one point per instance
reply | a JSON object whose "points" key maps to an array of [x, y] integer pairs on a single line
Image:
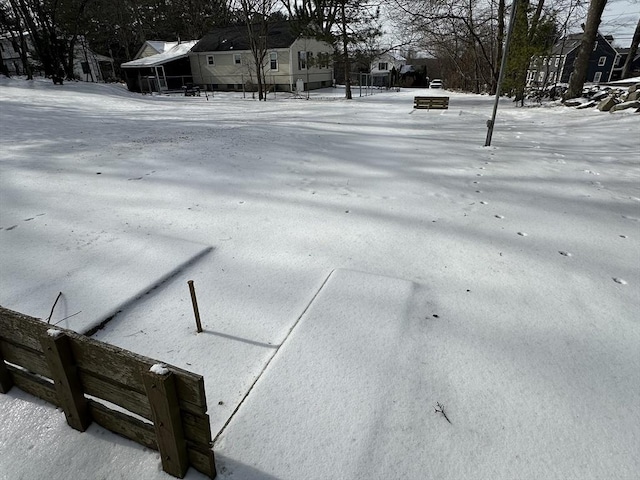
{"points": [[256, 15], [581, 66], [632, 52]]}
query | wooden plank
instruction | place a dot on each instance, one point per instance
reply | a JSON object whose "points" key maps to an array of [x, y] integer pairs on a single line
{"points": [[108, 361], [25, 357], [21, 329], [163, 397], [197, 428], [123, 425], [124, 367], [6, 383], [66, 380], [115, 393], [203, 460], [33, 385]]}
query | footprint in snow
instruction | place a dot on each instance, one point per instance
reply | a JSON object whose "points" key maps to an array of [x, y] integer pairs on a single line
{"points": [[591, 172], [620, 281], [484, 203], [564, 254], [634, 219], [499, 216], [523, 234], [623, 236], [11, 227]]}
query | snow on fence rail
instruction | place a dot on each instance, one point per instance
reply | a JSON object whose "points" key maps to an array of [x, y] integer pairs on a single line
{"points": [[62, 367]]}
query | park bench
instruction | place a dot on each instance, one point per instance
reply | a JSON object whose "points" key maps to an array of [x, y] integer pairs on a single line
{"points": [[431, 102]]}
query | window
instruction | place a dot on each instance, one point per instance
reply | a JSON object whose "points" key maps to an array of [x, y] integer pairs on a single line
{"points": [[595, 46], [324, 60], [210, 60], [597, 77], [545, 61], [383, 66], [237, 58], [557, 61], [302, 60], [541, 77], [310, 62], [602, 61], [273, 60]]}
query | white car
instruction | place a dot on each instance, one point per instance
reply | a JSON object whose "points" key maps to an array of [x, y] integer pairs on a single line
{"points": [[435, 83]]}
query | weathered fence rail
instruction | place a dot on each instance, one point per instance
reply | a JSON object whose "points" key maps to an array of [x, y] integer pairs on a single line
{"points": [[164, 408]]}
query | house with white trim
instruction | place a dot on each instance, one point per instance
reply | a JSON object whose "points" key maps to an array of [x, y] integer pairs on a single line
{"points": [[222, 60], [558, 65]]}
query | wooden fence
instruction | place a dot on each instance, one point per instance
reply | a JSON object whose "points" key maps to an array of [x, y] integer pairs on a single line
{"points": [[65, 368]]}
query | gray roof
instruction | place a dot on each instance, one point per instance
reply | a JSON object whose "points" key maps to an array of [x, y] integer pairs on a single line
{"points": [[567, 44], [279, 35]]}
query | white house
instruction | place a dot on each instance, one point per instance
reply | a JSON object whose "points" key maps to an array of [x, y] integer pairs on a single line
{"points": [[383, 67], [222, 60], [87, 65]]}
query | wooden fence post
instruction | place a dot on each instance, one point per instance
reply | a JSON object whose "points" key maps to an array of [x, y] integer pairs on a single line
{"points": [[57, 351], [165, 410], [5, 379]]}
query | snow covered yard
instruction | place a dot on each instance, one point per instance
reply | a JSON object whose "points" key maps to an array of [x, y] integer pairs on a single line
{"points": [[364, 262]]}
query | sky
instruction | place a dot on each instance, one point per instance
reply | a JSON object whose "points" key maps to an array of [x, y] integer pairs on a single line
{"points": [[619, 19]]}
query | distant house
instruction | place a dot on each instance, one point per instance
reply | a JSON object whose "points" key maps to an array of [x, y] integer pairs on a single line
{"points": [[87, 65], [385, 69], [167, 69], [558, 65], [634, 70], [222, 60]]}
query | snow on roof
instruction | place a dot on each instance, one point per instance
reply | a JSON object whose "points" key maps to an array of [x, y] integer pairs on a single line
{"points": [[160, 45], [178, 50]]}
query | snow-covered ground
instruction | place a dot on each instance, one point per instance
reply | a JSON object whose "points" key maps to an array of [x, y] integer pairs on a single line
{"points": [[362, 261]]}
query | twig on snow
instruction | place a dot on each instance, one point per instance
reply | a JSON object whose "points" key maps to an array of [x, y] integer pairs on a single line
{"points": [[68, 316], [54, 306], [440, 409]]}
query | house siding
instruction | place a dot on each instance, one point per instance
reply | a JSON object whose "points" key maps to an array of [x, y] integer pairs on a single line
{"points": [[225, 74], [567, 58]]}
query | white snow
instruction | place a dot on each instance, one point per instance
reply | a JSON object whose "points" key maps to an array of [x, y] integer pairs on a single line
{"points": [[53, 332], [159, 369], [355, 263]]}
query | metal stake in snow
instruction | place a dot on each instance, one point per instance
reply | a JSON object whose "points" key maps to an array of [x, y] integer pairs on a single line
{"points": [[503, 66], [195, 305]]}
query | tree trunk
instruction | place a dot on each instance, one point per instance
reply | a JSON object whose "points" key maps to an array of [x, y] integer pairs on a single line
{"points": [[632, 53], [345, 53], [581, 67], [499, 46]]}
